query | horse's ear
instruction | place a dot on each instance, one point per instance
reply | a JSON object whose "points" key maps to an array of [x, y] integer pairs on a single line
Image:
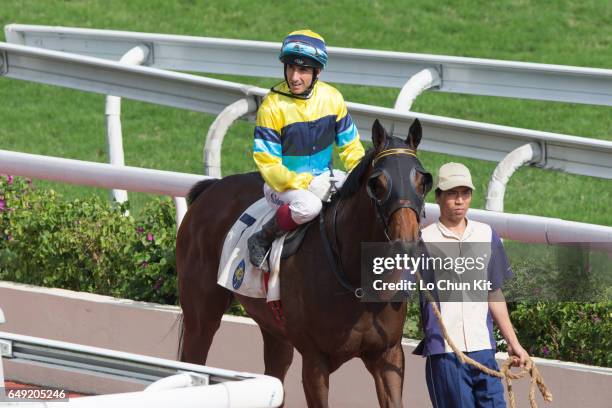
{"points": [[379, 135], [414, 134]]}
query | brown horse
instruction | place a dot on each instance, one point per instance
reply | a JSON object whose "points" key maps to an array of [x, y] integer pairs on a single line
{"points": [[381, 200]]}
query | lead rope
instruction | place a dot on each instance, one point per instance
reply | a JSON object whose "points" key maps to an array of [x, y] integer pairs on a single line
{"points": [[505, 371]]}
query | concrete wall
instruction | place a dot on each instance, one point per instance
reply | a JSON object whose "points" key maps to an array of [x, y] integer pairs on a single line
{"points": [[153, 330]]}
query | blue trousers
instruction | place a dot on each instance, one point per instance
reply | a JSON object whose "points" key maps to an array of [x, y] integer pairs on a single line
{"points": [[452, 384]]}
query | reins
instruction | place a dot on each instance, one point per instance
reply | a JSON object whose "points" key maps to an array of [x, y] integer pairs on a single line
{"points": [[333, 260]]}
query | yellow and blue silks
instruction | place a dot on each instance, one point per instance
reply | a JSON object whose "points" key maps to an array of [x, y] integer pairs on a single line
{"points": [[294, 137]]}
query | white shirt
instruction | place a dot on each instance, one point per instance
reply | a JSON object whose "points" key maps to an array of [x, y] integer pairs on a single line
{"points": [[468, 323]]}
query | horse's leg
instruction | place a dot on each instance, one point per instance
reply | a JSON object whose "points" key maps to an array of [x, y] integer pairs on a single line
{"points": [[201, 322], [315, 379], [388, 372], [278, 355]]}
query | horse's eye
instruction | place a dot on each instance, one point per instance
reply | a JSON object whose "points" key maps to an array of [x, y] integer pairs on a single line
{"points": [[377, 186], [374, 185], [427, 183], [422, 181]]}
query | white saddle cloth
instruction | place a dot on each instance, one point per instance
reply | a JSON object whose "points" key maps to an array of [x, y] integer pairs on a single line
{"points": [[236, 272]]}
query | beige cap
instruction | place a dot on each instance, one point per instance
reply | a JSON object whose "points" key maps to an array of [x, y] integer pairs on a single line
{"points": [[453, 175]]}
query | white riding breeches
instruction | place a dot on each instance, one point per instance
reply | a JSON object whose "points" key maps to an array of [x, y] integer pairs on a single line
{"points": [[304, 205]]}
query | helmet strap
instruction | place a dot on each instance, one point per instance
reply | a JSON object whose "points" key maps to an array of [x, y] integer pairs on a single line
{"points": [[285, 74]]}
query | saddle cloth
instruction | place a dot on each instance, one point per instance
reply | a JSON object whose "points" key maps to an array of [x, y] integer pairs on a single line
{"points": [[236, 272]]}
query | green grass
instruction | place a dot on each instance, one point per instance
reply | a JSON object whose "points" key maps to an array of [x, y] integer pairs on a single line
{"points": [[60, 122]]}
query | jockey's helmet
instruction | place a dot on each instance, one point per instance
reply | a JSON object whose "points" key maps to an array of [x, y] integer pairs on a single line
{"points": [[305, 48]]}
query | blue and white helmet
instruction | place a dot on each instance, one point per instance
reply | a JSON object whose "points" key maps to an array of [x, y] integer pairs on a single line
{"points": [[305, 48]]}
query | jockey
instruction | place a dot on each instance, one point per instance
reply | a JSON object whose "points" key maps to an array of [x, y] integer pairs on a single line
{"points": [[297, 124]]}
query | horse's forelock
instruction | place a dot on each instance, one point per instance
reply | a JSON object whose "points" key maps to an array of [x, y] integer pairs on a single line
{"points": [[355, 177]]}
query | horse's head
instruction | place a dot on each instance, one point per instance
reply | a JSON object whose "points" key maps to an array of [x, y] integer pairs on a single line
{"points": [[397, 182]]}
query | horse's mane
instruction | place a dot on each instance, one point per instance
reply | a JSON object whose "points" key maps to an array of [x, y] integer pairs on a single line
{"points": [[355, 178]]}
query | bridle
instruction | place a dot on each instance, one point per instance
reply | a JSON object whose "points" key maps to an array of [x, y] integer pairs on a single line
{"points": [[399, 196], [402, 196]]}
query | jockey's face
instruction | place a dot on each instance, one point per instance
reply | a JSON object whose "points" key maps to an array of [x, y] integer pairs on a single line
{"points": [[299, 78]]}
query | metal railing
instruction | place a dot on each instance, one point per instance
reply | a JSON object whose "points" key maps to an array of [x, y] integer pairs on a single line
{"points": [[182, 384], [474, 76], [101, 175], [477, 140], [525, 228]]}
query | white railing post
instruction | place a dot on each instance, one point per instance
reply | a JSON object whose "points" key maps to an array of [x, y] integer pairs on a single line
{"points": [[496, 191], [217, 131], [181, 209], [419, 82], [114, 137]]}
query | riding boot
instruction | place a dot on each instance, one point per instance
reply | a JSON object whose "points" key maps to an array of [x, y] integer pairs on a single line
{"points": [[260, 243]]}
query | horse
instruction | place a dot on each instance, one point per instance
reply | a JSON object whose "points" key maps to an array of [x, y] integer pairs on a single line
{"points": [[381, 200]]}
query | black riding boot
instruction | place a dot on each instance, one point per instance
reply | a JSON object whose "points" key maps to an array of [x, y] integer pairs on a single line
{"points": [[259, 244]]}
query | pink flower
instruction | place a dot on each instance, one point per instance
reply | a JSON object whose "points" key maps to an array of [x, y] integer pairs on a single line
{"points": [[545, 351], [9, 237], [149, 237], [159, 283], [139, 230], [9, 179]]}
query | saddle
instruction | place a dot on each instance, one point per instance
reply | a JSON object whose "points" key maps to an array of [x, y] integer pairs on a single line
{"points": [[235, 270], [294, 239]]}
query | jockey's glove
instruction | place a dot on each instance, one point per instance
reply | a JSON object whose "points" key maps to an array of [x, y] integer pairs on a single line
{"points": [[337, 179], [321, 186]]}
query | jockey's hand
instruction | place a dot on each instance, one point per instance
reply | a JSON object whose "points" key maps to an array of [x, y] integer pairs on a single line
{"points": [[321, 186], [338, 178], [519, 355]]}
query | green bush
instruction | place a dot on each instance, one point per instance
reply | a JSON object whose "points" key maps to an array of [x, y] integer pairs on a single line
{"points": [[571, 331], [86, 245], [558, 273], [412, 325]]}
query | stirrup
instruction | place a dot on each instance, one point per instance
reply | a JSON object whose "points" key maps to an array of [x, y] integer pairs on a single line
{"points": [[254, 260], [265, 263]]}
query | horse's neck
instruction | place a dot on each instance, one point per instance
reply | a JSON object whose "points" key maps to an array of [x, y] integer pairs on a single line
{"points": [[357, 222]]}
